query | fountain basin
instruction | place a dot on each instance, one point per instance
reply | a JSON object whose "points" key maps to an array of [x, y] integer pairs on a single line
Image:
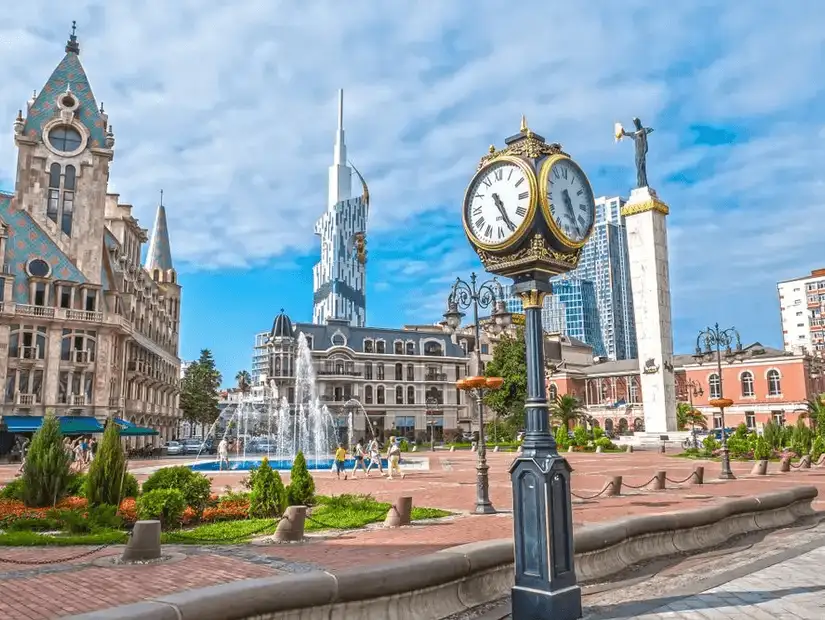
{"points": [[279, 464]]}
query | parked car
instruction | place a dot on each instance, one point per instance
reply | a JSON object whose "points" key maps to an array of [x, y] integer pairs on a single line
{"points": [[174, 448], [196, 446]]}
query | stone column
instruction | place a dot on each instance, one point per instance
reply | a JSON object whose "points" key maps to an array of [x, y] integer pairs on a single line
{"points": [[51, 373]]}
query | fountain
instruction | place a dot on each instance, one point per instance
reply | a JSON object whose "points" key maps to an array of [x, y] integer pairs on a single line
{"points": [[279, 429]]}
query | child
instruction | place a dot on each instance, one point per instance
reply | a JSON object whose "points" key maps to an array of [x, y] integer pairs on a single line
{"points": [[394, 456], [359, 458], [375, 457], [340, 457]]}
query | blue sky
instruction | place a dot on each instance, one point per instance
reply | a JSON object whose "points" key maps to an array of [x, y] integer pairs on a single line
{"points": [[230, 108]]}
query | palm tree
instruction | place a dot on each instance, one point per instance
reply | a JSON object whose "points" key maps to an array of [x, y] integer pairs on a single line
{"points": [[688, 416], [244, 380], [566, 409], [816, 413]]}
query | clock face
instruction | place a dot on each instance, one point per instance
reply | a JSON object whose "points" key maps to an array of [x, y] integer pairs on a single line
{"points": [[499, 203], [570, 202]]}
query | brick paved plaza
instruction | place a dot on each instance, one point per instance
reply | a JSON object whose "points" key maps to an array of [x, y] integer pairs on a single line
{"points": [[48, 591]]}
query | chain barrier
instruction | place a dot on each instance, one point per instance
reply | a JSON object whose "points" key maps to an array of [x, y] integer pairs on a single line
{"points": [[641, 486], [680, 481], [56, 560], [606, 488], [797, 466]]}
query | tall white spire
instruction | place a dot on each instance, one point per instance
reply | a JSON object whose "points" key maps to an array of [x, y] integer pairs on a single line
{"points": [[340, 174]]}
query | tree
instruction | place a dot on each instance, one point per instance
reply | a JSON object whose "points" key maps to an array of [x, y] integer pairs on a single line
{"points": [[199, 390], [46, 472], [510, 363], [567, 409], [816, 413], [688, 416], [244, 380], [301, 489], [108, 468]]}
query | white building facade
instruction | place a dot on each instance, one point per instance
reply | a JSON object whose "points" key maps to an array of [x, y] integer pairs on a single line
{"points": [[802, 311]]}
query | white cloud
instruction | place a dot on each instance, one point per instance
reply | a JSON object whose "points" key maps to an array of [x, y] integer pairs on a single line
{"points": [[230, 108]]}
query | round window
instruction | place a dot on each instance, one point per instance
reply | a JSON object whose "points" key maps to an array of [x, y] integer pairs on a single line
{"points": [[38, 268], [65, 139], [67, 101]]}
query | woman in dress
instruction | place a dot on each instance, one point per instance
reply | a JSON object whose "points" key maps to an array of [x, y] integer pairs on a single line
{"points": [[375, 457], [394, 457]]}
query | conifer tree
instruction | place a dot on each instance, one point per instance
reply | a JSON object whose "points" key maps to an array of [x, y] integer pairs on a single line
{"points": [[108, 468], [301, 488], [46, 471]]}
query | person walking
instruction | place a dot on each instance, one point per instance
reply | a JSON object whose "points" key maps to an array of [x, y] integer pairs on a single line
{"points": [[359, 458], [340, 457], [375, 457], [394, 458]]}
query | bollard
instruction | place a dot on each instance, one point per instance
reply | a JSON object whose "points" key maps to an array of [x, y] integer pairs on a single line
{"points": [[399, 513], [415, 448], [760, 468], [452, 448], [495, 449], [785, 464], [660, 481], [805, 461], [143, 543], [291, 527], [614, 486], [570, 448], [698, 474], [598, 449], [629, 448]]}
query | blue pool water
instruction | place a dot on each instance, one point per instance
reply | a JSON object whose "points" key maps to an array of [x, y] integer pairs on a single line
{"points": [[246, 465]]}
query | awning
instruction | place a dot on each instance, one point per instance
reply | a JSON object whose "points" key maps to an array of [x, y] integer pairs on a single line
{"points": [[128, 429], [69, 424]]}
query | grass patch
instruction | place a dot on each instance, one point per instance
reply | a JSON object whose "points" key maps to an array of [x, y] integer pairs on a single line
{"points": [[35, 539], [225, 532], [355, 511]]}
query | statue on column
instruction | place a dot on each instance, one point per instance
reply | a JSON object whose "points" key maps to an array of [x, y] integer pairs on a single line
{"points": [[639, 136]]}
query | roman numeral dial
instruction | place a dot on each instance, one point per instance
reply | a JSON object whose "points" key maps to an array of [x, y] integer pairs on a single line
{"points": [[566, 200], [499, 204]]}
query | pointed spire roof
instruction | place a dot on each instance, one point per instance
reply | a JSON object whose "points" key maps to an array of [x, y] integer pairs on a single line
{"points": [[68, 75], [159, 255]]}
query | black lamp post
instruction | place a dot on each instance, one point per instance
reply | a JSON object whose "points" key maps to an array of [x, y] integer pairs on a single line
{"points": [[432, 406], [473, 295], [715, 339]]}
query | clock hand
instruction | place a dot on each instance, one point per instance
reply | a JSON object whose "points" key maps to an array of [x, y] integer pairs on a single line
{"points": [[500, 207], [569, 206]]}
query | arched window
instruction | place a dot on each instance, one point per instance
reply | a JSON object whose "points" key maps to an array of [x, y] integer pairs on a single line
{"points": [[410, 395], [435, 396], [380, 346], [68, 200], [61, 208], [410, 372], [78, 346], [367, 370], [380, 395], [715, 386], [634, 391], [399, 395], [368, 394], [399, 372], [774, 384], [27, 342], [747, 384], [410, 348], [368, 346], [379, 371], [53, 204], [554, 393], [399, 347], [433, 348]]}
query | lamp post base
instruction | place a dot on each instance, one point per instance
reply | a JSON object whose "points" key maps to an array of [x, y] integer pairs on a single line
{"points": [[726, 473], [483, 504], [529, 604]]}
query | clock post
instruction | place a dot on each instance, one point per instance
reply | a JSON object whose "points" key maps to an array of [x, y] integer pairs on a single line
{"points": [[547, 243]]}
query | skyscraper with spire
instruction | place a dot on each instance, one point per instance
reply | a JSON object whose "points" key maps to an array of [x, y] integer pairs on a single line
{"points": [[339, 278], [100, 340]]}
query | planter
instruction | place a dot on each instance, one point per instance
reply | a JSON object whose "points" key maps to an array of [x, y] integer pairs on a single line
{"points": [[760, 468]]}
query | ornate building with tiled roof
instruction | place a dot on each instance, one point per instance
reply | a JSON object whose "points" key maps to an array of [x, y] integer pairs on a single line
{"points": [[85, 329]]}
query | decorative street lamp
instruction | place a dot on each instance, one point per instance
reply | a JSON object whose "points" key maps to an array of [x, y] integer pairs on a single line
{"points": [[432, 406], [715, 339], [693, 388], [475, 296]]}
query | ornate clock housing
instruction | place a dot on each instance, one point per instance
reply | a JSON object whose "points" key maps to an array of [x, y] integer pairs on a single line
{"points": [[567, 201], [500, 203]]}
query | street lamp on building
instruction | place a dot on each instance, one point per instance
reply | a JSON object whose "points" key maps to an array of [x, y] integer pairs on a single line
{"points": [[432, 408], [463, 296], [693, 389], [711, 342]]}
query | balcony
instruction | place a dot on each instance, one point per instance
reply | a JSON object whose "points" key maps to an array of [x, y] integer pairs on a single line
{"points": [[43, 312], [26, 400], [82, 357], [86, 316], [435, 376], [326, 372], [116, 402], [28, 354], [77, 400], [332, 398]]}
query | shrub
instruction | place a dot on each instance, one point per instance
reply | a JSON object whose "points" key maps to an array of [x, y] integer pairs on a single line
{"points": [[131, 488], [741, 430], [76, 487], [13, 490], [404, 445], [301, 489], [801, 438], [773, 435], [166, 505], [194, 486], [709, 445], [761, 450], [108, 468], [738, 445], [604, 443], [598, 433], [562, 439], [817, 448], [580, 436], [46, 472], [268, 496]]}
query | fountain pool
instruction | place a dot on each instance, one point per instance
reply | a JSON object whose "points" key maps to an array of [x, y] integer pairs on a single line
{"points": [[279, 464]]}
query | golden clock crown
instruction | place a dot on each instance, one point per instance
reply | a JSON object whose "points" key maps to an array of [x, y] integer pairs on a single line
{"points": [[524, 144]]}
